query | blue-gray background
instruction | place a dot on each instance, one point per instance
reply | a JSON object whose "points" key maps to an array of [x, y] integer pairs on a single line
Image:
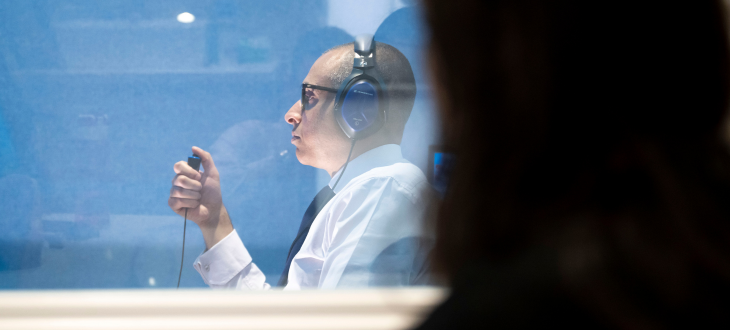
{"points": [[98, 100]]}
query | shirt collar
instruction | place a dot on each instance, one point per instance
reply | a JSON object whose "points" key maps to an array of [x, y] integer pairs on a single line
{"points": [[384, 155]]}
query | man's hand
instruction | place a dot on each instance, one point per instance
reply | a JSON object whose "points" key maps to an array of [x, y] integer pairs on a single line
{"points": [[200, 194]]}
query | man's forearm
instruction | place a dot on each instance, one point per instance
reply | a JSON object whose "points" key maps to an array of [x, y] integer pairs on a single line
{"points": [[217, 228]]}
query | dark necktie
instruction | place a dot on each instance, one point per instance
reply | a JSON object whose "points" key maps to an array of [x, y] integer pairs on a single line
{"points": [[314, 208]]}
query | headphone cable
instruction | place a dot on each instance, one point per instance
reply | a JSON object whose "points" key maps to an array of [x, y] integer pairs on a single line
{"points": [[345, 166], [185, 225]]}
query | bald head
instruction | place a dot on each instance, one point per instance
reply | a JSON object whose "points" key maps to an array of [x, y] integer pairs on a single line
{"points": [[397, 75]]}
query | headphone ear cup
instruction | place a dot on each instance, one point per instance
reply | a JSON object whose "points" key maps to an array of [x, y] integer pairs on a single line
{"points": [[360, 111], [360, 106]]}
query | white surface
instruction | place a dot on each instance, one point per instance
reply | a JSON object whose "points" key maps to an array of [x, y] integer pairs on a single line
{"points": [[206, 309]]}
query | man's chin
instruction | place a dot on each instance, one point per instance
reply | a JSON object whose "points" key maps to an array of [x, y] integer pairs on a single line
{"points": [[301, 157]]}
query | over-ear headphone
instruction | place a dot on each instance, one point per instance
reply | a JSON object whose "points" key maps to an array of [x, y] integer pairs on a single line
{"points": [[360, 106]]}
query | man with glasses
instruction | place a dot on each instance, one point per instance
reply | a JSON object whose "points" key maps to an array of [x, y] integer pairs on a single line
{"points": [[364, 229]]}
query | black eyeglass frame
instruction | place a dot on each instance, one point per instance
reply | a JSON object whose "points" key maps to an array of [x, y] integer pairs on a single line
{"points": [[304, 91]]}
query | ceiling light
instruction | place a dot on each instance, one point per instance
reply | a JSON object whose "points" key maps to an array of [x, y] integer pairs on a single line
{"points": [[185, 18]]}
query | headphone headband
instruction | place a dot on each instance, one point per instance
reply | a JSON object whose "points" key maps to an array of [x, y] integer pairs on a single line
{"points": [[364, 52], [360, 106], [364, 44]]}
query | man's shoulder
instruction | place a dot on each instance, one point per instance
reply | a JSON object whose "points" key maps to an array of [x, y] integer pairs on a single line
{"points": [[404, 175], [403, 172]]}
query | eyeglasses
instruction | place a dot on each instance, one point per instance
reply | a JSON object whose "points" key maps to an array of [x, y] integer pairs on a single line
{"points": [[305, 99]]}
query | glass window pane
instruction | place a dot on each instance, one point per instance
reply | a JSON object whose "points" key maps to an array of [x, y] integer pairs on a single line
{"points": [[99, 100]]}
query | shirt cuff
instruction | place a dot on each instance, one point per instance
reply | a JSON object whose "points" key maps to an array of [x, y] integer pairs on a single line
{"points": [[223, 261]]}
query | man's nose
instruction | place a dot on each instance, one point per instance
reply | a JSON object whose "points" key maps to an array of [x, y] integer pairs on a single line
{"points": [[294, 115]]}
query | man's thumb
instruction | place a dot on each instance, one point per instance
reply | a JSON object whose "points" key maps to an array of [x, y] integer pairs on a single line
{"points": [[206, 160]]}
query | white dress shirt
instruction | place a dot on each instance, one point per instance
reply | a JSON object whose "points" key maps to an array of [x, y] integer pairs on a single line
{"points": [[371, 233]]}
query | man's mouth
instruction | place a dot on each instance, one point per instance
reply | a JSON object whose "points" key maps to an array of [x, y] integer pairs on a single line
{"points": [[294, 138]]}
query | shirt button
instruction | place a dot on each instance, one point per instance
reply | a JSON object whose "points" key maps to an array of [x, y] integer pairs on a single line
{"points": [[207, 268]]}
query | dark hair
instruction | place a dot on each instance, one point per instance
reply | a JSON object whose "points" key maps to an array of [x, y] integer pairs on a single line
{"points": [[397, 75], [592, 129]]}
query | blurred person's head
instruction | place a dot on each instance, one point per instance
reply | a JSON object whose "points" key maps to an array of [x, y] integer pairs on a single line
{"points": [[592, 130], [403, 29], [318, 137]]}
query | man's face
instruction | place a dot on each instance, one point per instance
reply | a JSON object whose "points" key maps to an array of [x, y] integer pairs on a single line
{"points": [[319, 140]]}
